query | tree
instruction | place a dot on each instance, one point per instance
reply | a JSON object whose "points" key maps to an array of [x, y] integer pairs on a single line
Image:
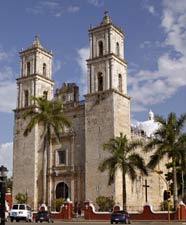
{"points": [[57, 203], [123, 157], [105, 203], [50, 115], [168, 139], [9, 182], [21, 198]]}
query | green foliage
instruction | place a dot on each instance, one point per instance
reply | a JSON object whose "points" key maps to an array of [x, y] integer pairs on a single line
{"points": [[21, 198], [105, 203], [170, 141], [123, 156], [164, 206], [57, 203], [9, 182], [49, 114]]}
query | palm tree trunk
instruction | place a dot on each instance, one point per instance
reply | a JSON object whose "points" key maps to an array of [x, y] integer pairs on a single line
{"points": [[44, 170], [183, 184], [124, 191], [175, 188]]}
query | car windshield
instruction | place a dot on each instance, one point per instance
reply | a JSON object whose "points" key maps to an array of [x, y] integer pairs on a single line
{"points": [[22, 207], [15, 207], [43, 212], [119, 212]]}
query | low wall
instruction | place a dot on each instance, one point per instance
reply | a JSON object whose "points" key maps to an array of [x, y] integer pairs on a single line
{"points": [[65, 212], [146, 214]]}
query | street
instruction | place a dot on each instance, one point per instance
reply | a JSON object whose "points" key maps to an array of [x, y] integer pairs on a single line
{"points": [[103, 222]]}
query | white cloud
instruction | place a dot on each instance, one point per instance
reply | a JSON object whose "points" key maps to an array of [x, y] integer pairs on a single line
{"points": [[3, 55], [151, 9], [83, 55], [7, 97], [7, 90], [53, 8], [56, 66], [73, 9], [6, 55], [6, 155], [146, 44], [152, 87], [96, 3]]}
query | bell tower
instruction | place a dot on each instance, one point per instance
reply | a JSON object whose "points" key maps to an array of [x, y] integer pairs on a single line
{"points": [[35, 80], [106, 64], [107, 105], [35, 74]]}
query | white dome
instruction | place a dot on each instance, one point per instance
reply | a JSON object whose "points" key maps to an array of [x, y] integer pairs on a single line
{"points": [[149, 126]]}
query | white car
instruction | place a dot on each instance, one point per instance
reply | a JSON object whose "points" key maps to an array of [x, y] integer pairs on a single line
{"points": [[21, 212]]}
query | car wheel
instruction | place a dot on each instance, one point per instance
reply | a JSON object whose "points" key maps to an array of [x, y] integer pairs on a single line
{"points": [[11, 219], [17, 220]]}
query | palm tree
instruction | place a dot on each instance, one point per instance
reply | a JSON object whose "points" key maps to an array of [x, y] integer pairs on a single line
{"points": [[181, 146], [50, 115], [122, 157], [168, 141]]}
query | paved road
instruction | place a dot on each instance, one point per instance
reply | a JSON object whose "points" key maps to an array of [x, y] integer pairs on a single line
{"points": [[102, 223]]}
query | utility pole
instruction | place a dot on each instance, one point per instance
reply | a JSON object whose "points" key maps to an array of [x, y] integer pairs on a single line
{"points": [[3, 170]]}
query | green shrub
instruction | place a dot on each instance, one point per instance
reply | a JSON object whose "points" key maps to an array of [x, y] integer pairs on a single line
{"points": [[164, 206], [105, 203], [21, 198], [57, 203]]}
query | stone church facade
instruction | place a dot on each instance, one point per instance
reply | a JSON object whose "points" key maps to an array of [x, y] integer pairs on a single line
{"points": [[73, 167]]}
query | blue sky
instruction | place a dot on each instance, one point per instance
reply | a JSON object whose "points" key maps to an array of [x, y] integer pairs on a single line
{"points": [[155, 49]]}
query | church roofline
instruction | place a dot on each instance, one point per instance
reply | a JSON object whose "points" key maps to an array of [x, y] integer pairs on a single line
{"points": [[35, 45], [106, 22], [100, 27]]}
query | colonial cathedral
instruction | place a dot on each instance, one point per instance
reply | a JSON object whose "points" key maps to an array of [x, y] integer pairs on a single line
{"points": [[105, 112]]}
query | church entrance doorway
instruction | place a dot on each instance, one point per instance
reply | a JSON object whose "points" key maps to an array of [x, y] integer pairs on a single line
{"points": [[62, 190]]}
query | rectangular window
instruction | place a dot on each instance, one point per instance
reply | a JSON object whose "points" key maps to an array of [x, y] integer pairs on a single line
{"points": [[62, 157], [45, 95], [26, 98]]}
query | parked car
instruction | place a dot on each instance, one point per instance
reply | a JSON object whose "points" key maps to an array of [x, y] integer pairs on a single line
{"points": [[120, 216], [43, 216], [21, 212]]}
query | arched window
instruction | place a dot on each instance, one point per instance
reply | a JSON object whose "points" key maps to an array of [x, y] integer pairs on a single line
{"points": [[28, 68], [100, 44], [44, 69], [117, 49], [62, 190], [120, 83], [100, 82], [26, 98]]}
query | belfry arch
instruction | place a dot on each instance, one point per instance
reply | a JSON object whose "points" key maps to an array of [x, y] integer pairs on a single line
{"points": [[100, 81]]}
